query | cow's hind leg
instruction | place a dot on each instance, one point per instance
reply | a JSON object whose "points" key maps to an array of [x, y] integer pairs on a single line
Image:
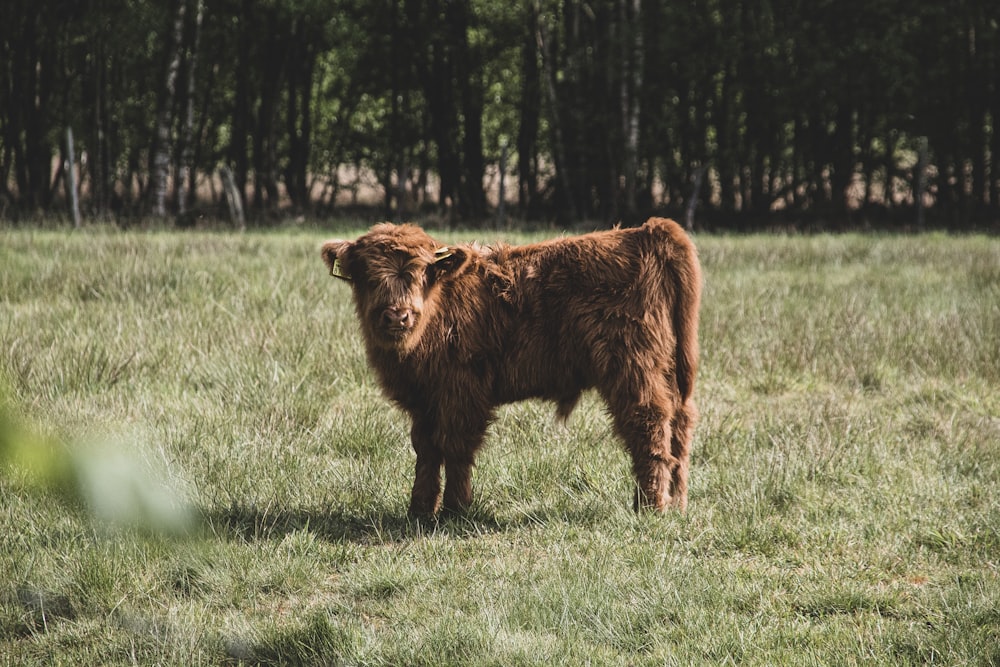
{"points": [[680, 448], [645, 420]]}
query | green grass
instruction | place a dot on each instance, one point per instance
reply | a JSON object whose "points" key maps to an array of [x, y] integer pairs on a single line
{"points": [[843, 506]]}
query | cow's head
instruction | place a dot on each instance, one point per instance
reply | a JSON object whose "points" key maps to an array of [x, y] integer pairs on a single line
{"points": [[395, 272]]}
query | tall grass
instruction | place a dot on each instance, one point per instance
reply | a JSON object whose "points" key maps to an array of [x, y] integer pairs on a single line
{"points": [[843, 495]]}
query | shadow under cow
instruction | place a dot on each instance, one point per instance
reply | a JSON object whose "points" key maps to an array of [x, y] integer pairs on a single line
{"points": [[377, 526]]}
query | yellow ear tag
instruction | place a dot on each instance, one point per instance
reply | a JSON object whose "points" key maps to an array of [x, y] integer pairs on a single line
{"points": [[442, 253], [337, 271]]}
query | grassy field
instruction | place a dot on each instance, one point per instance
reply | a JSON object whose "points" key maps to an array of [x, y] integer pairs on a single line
{"points": [[845, 489]]}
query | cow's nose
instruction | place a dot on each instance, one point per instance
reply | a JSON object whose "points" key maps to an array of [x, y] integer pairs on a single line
{"points": [[397, 317]]}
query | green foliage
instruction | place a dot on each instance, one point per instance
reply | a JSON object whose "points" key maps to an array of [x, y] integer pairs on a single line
{"points": [[842, 506]]}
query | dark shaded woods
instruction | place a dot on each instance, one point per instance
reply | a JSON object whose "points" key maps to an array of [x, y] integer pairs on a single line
{"points": [[745, 114]]}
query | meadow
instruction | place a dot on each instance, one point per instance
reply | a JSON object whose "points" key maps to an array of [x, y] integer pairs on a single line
{"points": [[844, 490]]}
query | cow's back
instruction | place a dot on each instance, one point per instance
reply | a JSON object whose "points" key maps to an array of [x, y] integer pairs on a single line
{"points": [[589, 306]]}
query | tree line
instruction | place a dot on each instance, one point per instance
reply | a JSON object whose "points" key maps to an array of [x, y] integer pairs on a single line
{"points": [[743, 112]]}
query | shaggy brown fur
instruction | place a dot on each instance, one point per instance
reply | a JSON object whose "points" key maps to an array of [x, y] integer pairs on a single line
{"points": [[454, 332]]}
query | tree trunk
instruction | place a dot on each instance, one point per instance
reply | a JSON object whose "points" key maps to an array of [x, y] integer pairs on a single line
{"points": [[631, 84], [995, 154], [397, 105], [920, 181], [547, 50], [164, 117], [70, 171], [100, 169], [30, 93], [726, 133], [185, 179], [842, 156], [301, 67], [241, 110], [272, 66], [530, 112], [473, 197], [234, 198]]}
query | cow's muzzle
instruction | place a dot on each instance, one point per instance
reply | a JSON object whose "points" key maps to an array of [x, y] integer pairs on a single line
{"points": [[396, 320]]}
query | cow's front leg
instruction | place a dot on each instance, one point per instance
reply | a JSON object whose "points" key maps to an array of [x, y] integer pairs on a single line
{"points": [[458, 484], [462, 436], [427, 477]]}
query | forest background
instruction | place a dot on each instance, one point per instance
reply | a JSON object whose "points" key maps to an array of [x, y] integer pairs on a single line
{"points": [[782, 112]]}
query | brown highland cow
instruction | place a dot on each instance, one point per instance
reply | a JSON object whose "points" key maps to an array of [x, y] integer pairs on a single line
{"points": [[453, 332]]}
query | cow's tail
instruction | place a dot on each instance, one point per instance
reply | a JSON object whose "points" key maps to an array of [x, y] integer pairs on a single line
{"points": [[684, 272]]}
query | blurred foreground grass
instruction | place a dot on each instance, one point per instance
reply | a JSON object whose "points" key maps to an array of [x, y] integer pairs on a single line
{"points": [[106, 478]]}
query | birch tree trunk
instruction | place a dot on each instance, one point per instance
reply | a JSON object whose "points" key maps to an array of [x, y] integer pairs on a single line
{"points": [[70, 168]]}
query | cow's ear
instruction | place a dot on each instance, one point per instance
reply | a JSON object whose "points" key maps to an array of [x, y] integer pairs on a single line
{"points": [[451, 260], [333, 256]]}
